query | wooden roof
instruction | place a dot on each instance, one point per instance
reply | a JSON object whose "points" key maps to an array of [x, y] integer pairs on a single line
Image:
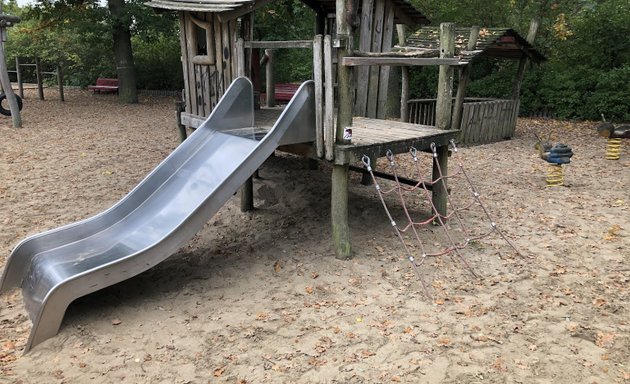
{"points": [[491, 42], [404, 12]]}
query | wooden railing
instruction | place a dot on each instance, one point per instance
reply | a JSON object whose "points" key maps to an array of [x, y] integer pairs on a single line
{"points": [[488, 121], [483, 120]]}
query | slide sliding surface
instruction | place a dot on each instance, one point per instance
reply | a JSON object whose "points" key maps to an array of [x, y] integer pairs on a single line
{"points": [[157, 217]]}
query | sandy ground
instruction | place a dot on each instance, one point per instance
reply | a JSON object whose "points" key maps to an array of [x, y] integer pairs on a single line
{"points": [[259, 297]]}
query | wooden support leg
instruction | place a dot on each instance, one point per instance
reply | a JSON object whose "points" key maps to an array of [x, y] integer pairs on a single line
{"points": [[439, 191], [339, 212], [247, 196]]}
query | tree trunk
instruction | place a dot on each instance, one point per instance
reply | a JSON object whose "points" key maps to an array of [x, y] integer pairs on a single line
{"points": [[127, 92]]}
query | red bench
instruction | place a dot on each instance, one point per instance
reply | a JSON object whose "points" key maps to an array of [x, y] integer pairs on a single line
{"points": [[283, 91], [104, 85]]}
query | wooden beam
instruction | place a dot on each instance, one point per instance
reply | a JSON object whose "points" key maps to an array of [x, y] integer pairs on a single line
{"points": [[464, 78], [200, 23], [242, 10], [318, 78], [60, 82], [365, 45], [520, 73], [353, 61], [404, 78], [240, 58], [384, 71], [270, 81], [40, 80], [443, 115], [339, 191], [377, 44], [329, 100], [247, 195], [279, 44], [191, 120]]}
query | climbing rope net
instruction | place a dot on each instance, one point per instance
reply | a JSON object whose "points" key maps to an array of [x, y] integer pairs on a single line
{"points": [[454, 243]]}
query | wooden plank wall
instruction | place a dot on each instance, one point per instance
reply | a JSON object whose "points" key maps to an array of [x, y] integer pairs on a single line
{"points": [[488, 121], [376, 34], [483, 122], [207, 77]]}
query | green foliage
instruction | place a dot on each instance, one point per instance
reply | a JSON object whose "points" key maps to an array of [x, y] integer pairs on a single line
{"points": [[585, 41], [158, 64], [272, 23], [78, 35], [76, 39]]}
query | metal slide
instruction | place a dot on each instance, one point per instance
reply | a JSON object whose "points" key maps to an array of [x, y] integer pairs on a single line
{"points": [[158, 216]]}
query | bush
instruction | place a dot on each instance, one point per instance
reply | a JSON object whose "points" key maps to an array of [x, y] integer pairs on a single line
{"points": [[158, 64]]}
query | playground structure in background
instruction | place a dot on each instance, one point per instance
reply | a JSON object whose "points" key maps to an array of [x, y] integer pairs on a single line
{"points": [[614, 136], [39, 74]]}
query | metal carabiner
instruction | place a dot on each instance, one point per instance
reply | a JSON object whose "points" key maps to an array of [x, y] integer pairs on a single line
{"points": [[452, 141], [433, 149]]}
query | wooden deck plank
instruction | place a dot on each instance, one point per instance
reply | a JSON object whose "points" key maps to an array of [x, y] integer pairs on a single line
{"points": [[374, 137]]}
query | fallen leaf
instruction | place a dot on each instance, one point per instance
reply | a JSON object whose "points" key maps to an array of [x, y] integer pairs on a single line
{"points": [[314, 275], [605, 340], [396, 378], [277, 266], [444, 341], [520, 364], [599, 302], [219, 371], [367, 353], [8, 346], [309, 290], [612, 232]]}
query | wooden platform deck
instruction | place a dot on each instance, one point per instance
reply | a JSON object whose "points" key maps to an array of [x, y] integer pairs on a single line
{"points": [[372, 137]]}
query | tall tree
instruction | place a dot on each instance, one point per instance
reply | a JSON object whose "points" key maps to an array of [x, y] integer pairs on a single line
{"points": [[123, 53]]}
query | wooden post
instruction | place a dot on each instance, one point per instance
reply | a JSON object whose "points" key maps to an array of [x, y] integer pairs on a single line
{"points": [[247, 190], [339, 193], [18, 71], [40, 82], [60, 82], [464, 78], [404, 78], [271, 87], [318, 68], [247, 195], [329, 100], [520, 73], [240, 57], [445, 82], [443, 114], [179, 108]]}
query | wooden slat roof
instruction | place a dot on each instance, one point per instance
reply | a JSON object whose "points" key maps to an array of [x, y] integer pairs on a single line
{"points": [[491, 42], [405, 13], [198, 5]]}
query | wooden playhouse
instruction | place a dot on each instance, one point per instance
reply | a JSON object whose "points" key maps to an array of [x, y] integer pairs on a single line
{"points": [[352, 40]]}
